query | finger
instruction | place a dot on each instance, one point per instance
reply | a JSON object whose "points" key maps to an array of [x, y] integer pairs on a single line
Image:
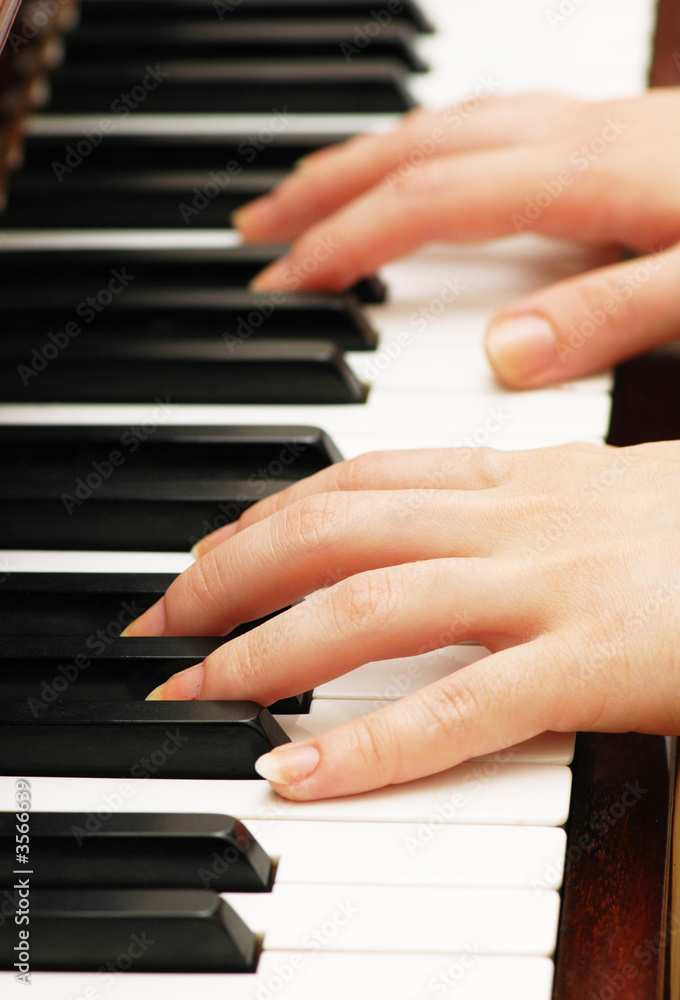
{"points": [[396, 611], [425, 468], [492, 704], [334, 176], [316, 542], [587, 323], [469, 197]]}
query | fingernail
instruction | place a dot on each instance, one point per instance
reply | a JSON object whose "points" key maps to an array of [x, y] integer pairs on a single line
{"points": [[303, 162], [272, 278], [200, 548], [289, 764], [184, 686], [152, 622], [521, 346]]}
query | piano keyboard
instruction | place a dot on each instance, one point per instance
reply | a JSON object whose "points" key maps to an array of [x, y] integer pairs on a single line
{"points": [[450, 884]]}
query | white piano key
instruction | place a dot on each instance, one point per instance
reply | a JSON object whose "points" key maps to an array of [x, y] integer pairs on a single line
{"points": [[384, 680], [545, 415], [494, 793], [316, 976], [325, 714], [413, 854], [227, 125], [41, 561], [402, 919], [473, 44]]}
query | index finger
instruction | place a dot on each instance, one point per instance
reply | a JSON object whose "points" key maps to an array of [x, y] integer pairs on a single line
{"points": [[465, 197], [333, 176]]}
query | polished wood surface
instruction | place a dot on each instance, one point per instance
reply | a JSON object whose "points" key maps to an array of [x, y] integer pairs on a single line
{"points": [[614, 926]]}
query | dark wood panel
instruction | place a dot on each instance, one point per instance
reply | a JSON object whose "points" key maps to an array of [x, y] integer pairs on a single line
{"points": [[613, 928], [665, 68]]}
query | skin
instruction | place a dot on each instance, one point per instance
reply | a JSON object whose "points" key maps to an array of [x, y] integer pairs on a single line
{"points": [[560, 561], [602, 173]]}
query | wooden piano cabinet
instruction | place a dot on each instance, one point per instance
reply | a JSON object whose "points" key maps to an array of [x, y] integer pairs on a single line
{"points": [[615, 924]]}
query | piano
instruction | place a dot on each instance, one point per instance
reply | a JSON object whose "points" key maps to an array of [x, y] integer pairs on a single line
{"points": [[451, 885]]}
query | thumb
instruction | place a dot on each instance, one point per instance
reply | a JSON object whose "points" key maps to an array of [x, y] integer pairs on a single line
{"points": [[587, 323]]}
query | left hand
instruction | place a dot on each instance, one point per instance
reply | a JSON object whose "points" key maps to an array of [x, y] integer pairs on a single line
{"points": [[561, 561]]}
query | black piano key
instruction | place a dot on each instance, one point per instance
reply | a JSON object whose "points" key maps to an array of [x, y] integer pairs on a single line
{"points": [[194, 371], [145, 488], [231, 316], [64, 604], [45, 669], [61, 604], [63, 156], [152, 930], [149, 39], [138, 739], [127, 11], [133, 199], [136, 850], [94, 278], [244, 87]]}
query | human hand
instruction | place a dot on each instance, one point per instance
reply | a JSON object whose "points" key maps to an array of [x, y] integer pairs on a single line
{"points": [[561, 561], [602, 173]]}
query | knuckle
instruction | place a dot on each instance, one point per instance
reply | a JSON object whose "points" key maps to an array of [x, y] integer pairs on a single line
{"points": [[448, 709], [356, 473], [200, 587], [374, 753], [315, 521], [366, 601], [427, 182], [243, 663], [491, 464]]}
